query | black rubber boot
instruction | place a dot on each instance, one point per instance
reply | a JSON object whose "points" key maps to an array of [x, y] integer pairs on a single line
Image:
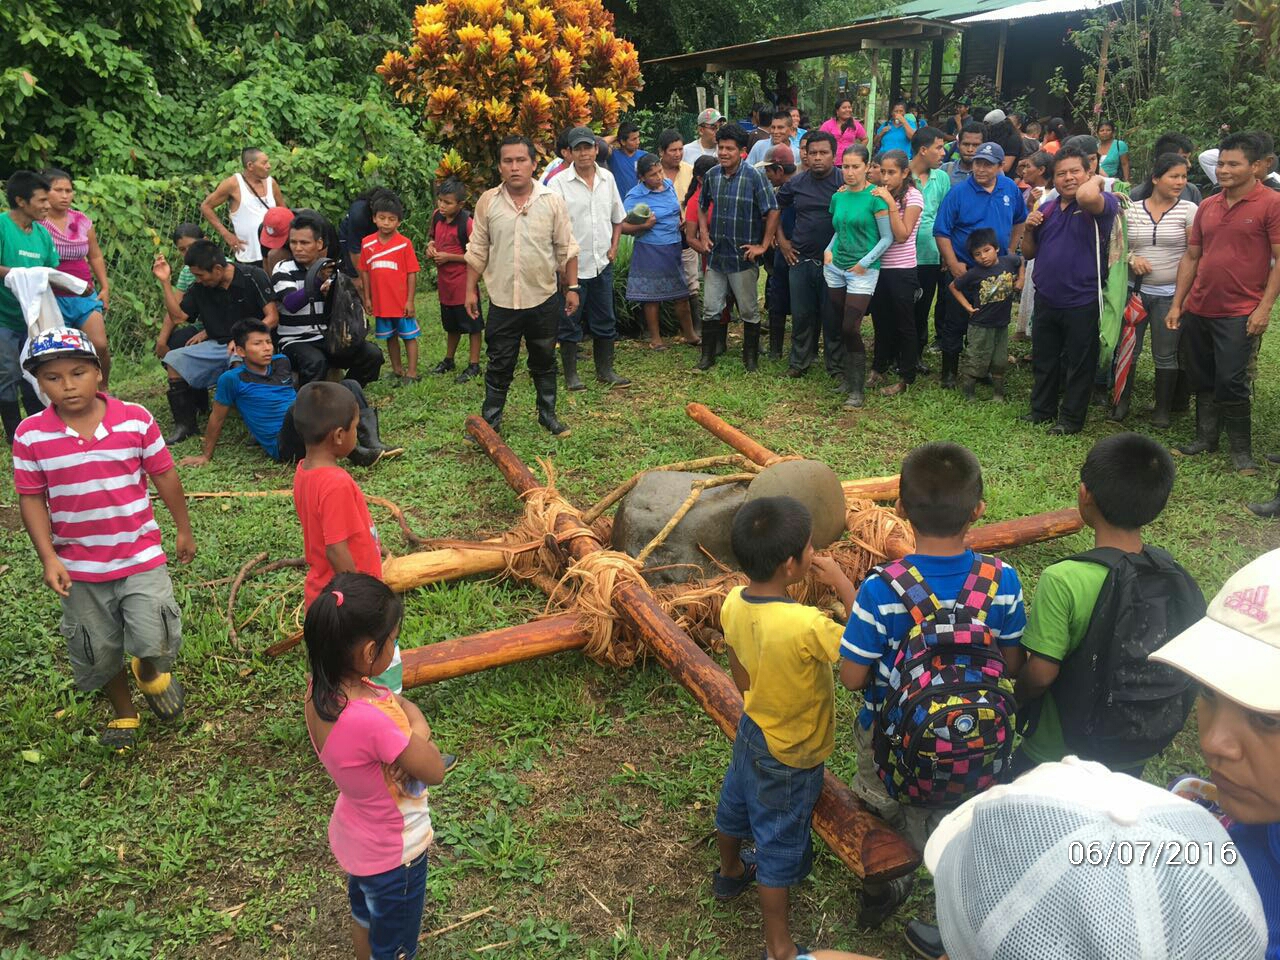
{"points": [[695, 311], [1166, 382], [367, 434], [1270, 509], [202, 402], [722, 336], [751, 346], [950, 367], [1120, 411], [545, 390], [969, 388], [710, 343], [997, 389], [11, 415], [494, 402], [1181, 393], [1238, 423], [855, 378], [1208, 427], [182, 404], [569, 359], [777, 335], [602, 354]]}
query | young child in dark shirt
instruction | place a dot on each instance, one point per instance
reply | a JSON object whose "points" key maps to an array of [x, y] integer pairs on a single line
{"points": [[986, 292]]}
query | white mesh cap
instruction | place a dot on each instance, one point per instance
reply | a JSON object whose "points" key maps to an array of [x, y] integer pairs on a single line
{"points": [[1074, 862]]}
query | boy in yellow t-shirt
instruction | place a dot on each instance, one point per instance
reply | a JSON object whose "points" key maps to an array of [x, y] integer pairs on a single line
{"points": [[781, 654]]}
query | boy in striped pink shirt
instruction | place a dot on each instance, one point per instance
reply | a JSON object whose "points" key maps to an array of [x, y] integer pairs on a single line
{"points": [[80, 469]]}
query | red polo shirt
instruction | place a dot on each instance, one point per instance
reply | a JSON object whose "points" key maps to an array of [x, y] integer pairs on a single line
{"points": [[1235, 252]]}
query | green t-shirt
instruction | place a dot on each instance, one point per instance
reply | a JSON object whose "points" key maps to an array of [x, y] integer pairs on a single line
{"points": [[21, 248], [854, 217], [185, 279], [933, 192], [1057, 620]]}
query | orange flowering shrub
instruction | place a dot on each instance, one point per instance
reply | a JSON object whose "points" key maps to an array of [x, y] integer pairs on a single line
{"points": [[484, 69]]}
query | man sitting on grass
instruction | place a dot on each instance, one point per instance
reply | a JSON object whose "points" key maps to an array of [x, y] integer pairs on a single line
{"points": [[261, 388]]}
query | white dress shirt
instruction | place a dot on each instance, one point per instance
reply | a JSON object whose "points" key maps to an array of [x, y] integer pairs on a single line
{"points": [[593, 210]]}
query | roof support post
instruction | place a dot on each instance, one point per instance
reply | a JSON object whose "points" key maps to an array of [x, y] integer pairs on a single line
{"points": [[1004, 41], [936, 52]]}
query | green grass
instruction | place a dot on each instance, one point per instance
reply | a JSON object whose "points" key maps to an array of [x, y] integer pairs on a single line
{"points": [[582, 807]]}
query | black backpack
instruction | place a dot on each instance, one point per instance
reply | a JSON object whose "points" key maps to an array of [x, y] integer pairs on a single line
{"points": [[1115, 705], [343, 308]]}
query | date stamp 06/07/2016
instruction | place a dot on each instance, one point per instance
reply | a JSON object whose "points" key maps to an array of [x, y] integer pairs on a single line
{"points": [[1152, 853]]}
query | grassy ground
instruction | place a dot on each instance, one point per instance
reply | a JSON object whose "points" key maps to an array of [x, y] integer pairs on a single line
{"points": [[581, 812]]}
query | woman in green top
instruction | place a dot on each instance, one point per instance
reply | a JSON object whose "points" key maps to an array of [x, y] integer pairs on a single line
{"points": [[852, 262]]}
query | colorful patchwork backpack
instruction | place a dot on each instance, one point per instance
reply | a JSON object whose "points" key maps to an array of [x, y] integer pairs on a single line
{"points": [[945, 730]]}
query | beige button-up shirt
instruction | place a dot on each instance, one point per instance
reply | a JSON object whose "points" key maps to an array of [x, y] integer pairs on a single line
{"points": [[518, 250]]}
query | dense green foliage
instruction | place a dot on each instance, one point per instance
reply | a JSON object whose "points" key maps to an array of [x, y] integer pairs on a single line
{"points": [[1189, 65], [149, 103]]}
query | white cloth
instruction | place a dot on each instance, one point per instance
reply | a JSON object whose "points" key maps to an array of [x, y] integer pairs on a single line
{"points": [[247, 217], [593, 210], [32, 287]]}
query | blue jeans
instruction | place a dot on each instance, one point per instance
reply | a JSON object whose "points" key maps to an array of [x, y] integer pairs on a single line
{"points": [[595, 307], [810, 319], [765, 800], [389, 905]]}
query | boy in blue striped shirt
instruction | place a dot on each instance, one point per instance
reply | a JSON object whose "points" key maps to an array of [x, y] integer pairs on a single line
{"points": [[940, 493]]}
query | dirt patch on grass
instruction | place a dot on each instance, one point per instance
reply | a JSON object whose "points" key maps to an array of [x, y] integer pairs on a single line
{"points": [[10, 518]]}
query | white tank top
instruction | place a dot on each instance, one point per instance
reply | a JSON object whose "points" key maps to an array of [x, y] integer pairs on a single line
{"points": [[247, 218]]}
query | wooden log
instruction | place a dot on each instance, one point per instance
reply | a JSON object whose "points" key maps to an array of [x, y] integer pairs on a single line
{"points": [[866, 844], [1020, 531], [872, 488], [495, 648], [432, 566], [731, 435]]}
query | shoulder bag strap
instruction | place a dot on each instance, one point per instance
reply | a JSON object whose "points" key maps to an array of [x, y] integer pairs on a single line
{"points": [[980, 586], [910, 587]]}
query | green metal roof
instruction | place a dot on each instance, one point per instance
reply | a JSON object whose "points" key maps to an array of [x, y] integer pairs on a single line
{"points": [[943, 9]]}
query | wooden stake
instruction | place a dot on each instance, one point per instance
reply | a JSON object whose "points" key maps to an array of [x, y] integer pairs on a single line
{"points": [[495, 648], [731, 435], [864, 842]]}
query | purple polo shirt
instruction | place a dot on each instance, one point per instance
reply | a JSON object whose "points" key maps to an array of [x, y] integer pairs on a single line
{"points": [[1066, 257]]}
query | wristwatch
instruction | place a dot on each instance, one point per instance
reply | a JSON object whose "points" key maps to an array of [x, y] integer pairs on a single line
{"points": [[574, 289]]}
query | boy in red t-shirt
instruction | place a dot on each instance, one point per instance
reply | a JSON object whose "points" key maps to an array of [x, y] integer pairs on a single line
{"points": [[390, 268], [450, 228], [338, 535]]}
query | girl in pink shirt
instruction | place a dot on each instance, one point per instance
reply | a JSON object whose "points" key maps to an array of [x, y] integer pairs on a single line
{"points": [[377, 747]]}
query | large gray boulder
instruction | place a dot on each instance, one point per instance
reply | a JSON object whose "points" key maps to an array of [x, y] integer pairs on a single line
{"points": [[654, 500], [658, 495]]}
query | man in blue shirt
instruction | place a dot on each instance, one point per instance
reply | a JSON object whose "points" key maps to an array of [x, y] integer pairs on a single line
{"points": [[809, 194], [1067, 237], [986, 199], [737, 220], [622, 158], [261, 388]]}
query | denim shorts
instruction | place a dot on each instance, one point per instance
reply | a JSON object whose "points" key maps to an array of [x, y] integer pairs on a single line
{"points": [[771, 803], [852, 282], [76, 310], [389, 905], [406, 328], [201, 364]]}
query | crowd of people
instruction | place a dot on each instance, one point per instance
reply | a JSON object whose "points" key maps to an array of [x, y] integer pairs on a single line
{"points": [[965, 222]]}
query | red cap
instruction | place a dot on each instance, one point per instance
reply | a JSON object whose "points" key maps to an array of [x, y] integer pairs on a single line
{"points": [[275, 228], [779, 155]]}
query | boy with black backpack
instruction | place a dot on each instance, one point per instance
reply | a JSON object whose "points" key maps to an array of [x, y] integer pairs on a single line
{"points": [[932, 642], [450, 230], [1087, 687]]}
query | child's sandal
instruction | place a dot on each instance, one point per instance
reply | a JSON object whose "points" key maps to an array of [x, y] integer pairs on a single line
{"points": [[121, 734], [163, 693]]}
